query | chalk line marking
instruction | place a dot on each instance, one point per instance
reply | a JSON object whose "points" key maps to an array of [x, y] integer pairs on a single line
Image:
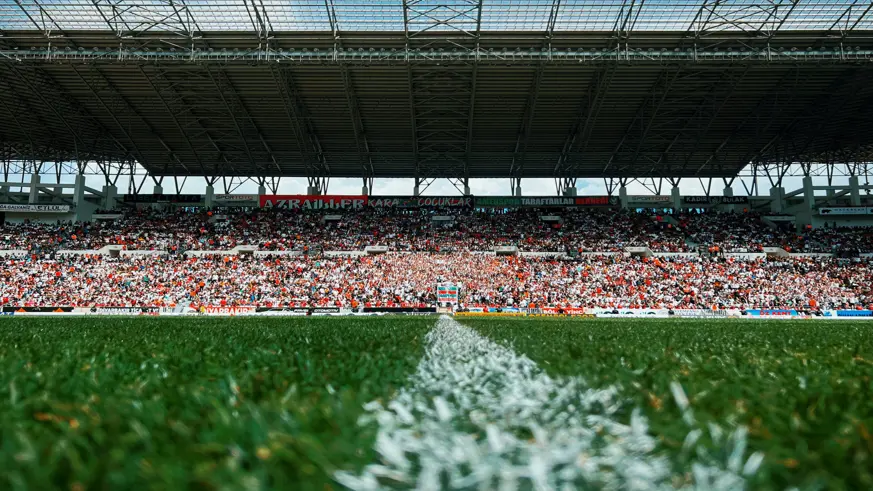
{"points": [[477, 415]]}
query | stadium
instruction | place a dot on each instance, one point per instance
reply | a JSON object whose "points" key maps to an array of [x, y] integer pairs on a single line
{"points": [[203, 288]]}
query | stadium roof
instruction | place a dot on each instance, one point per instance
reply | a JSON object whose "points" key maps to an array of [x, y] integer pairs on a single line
{"points": [[125, 16], [423, 88]]}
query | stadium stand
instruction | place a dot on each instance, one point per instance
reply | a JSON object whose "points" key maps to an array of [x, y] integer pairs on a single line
{"points": [[591, 266], [579, 230], [409, 279]]}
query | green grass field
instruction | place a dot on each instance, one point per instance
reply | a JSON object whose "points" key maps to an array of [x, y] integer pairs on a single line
{"points": [[287, 403]]}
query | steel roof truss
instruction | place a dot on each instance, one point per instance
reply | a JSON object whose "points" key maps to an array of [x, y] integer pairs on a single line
{"points": [[307, 140], [98, 84], [234, 105], [173, 111]]}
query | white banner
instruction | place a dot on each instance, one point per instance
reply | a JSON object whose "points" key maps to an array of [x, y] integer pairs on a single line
{"points": [[846, 210], [700, 313], [35, 208], [631, 313], [118, 310]]}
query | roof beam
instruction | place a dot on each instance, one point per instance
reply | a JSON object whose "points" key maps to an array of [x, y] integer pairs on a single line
{"points": [[138, 18], [129, 109], [413, 123], [742, 16], [523, 138], [175, 119], [28, 110], [586, 120], [112, 113], [848, 12], [220, 91], [454, 16], [757, 146], [590, 108], [718, 106], [474, 77], [225, 87], [311, 150], [653, 102], [260, 21], [24, 131], [361, 142], [862, 16], [187, 21], [653, 116], [828, 104], [775, 11], [74, 130], [443, 101], [770, 98], [115, 16], [702, 17], [627, 19], [44, 15]]}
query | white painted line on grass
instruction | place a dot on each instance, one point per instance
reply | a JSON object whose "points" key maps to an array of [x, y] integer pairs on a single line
{"points": [[477, 415]]}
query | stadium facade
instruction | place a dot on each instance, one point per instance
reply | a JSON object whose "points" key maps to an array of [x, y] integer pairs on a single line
{"points": [[247, 90]]}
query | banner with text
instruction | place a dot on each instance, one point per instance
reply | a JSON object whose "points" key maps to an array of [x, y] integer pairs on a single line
{"points": [[242, 310], [700, 313], [544, 202], [13, 208], [630, 313], [846, 210], [854, 313], [235, 198], [715, 200], [649, 199], [39, 310], [120, 310], [563, 311], [308, 202], [421, 201], [772, 313]]}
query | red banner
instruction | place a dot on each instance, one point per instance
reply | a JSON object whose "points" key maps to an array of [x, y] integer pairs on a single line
{"points": [[307, 202], [594, 201]]}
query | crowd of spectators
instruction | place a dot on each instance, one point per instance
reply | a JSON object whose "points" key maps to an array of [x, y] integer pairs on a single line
{"points": [[580, 230], [423, 250], [409, 279], [583, 230]]}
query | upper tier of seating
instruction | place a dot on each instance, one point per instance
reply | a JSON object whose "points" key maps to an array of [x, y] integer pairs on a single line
{"points": [[582, 230]]}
